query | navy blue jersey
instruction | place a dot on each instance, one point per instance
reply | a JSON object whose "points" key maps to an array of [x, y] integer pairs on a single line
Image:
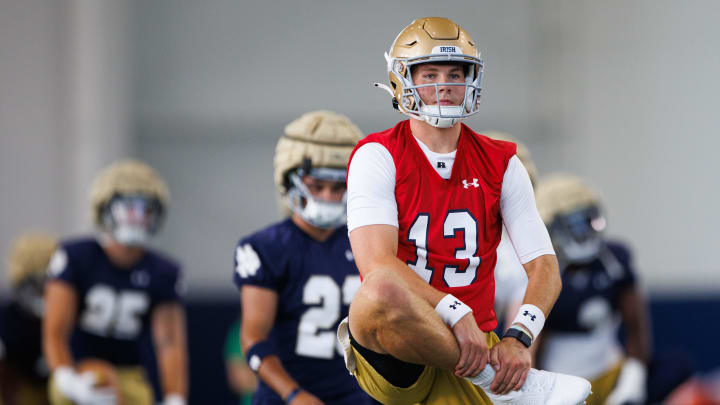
{"points": [[590, 293], [315, 282], [21, 341], [114, 304]]}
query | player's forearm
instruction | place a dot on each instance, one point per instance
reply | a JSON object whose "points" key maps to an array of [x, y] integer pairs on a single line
{"points": [[172, 362], [256, 325], [169, 337], [637, 345], [544, 283], [273, 374], [57, 324], [242, 379], [270, 369], [637, 326], [56, 351]]}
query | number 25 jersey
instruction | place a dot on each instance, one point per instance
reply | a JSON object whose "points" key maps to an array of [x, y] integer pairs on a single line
{"points": [[114, 304], [449, 230]]}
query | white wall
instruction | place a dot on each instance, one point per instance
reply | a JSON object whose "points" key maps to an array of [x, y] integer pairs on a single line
{"points": [[30, 79], [65, 109], [620, 92], [630, 92]]}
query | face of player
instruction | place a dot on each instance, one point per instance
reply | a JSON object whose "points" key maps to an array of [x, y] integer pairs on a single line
{"points": [[325, 190], [432, 73], [578, 236], [132, 219]]}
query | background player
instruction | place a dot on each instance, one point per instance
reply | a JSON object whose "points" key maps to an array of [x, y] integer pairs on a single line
{"points": [[23, 370], [431, 195], [114, 291], [297, 277], [601, 293]]}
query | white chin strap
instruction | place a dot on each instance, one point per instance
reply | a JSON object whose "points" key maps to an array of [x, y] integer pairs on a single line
{"points": [[427, 112], [318, 213], [581, 253], [323, 214], [433, 115], [130, 235]]}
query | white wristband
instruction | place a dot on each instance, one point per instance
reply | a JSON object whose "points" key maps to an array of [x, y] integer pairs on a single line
{"points": [[451, 309], [173, 399], [532, 318]]}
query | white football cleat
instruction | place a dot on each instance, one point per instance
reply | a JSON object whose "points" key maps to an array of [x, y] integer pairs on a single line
{"points": [[542, 388]]}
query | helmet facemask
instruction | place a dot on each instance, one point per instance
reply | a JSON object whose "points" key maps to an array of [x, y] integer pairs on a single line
{"points": [[436, 115], [315, 211], [578, 235], [132, 220]]}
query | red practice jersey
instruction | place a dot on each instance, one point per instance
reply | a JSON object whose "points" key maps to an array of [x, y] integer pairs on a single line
{"points": [[449, 230]]}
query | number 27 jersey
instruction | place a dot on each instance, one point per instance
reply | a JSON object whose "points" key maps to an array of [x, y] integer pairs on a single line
{"points": [[449, 230], [315, 282]]}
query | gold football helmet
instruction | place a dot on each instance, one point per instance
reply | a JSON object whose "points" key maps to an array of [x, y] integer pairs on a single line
{"points": [[571, 210], [522, 152], [27, 265], [129, 199], [317, 144], [433, 40]]}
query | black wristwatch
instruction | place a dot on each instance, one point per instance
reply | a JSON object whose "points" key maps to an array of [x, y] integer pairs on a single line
{"points": [[519, 335]]}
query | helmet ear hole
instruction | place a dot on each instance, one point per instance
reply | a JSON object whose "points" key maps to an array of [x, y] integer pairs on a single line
{"points": [[286, 183], [395, 104], [105, 217], [409, 102], [307, 165]]}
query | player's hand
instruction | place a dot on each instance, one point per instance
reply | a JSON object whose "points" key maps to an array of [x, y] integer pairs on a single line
{"points": [[473, 347], [630, 386], [305, 398], [511, 361], [80, 387]]}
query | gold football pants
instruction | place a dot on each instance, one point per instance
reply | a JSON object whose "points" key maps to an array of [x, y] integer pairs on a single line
{"points": [[434, 386]]}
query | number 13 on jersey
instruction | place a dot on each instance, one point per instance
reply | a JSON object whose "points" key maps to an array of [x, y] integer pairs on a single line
{"points": [[455, 221]]}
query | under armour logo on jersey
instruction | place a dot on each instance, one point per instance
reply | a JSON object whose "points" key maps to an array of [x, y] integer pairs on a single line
{"points": [[532, 317], [474, 183], [455, 304], [441, 165], [247, 261]]}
